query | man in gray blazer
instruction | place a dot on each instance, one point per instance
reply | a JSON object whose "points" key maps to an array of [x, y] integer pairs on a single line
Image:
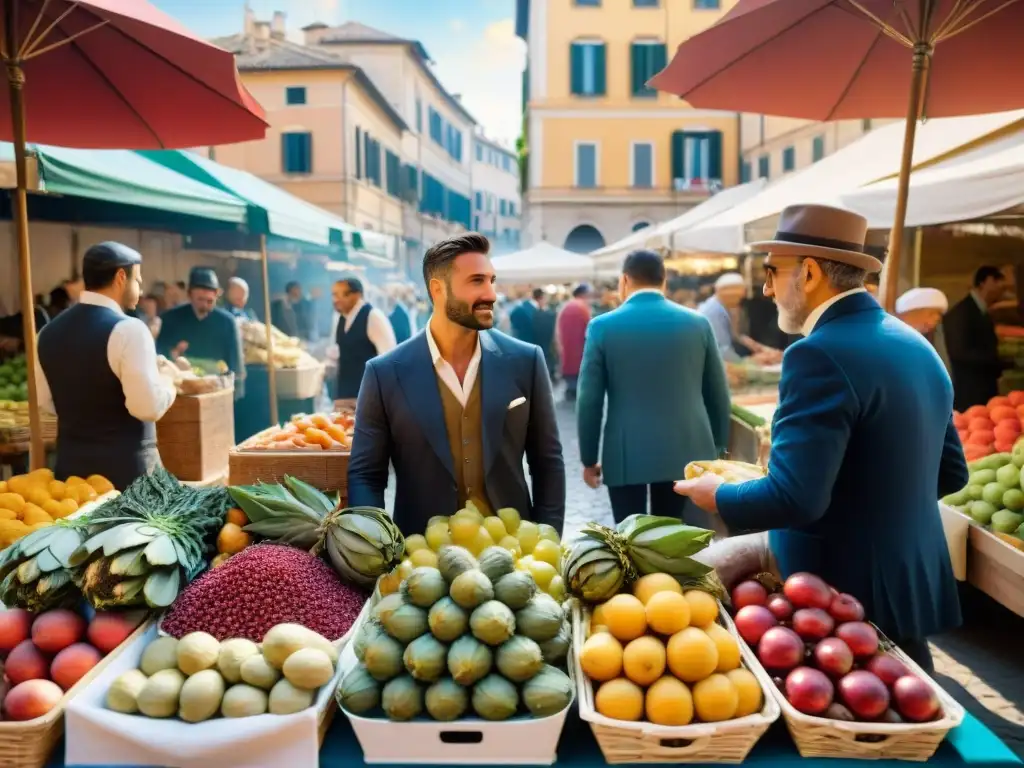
{"points": [[456, 407]]}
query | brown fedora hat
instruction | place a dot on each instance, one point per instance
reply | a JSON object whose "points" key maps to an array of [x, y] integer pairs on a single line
{"points": [[824, 232]]}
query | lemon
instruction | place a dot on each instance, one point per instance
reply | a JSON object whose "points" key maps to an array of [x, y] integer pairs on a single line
{"points": [[524, 562], [543, 573], [556, 588], [495, 528], [463, 529], [511, 543], [481, 541], [414, 542], [470, 510], [510, 518], [548, 532], [423, 558], [438, 536], [437, 520], [549, 552], [528, 535]]}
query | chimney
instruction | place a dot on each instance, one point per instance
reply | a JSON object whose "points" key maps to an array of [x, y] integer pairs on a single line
{"points": [[278, 29], [249, 22], [314, 33], [262, 30]]}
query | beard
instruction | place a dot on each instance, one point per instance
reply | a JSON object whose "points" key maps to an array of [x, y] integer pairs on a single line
{"points": [[793, 310], [461, 313]]}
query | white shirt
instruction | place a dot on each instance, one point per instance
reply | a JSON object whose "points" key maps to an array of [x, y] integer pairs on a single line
{"points": [[446, 373], [815, 316], [378, 329], [131, 355], [645, 290]]}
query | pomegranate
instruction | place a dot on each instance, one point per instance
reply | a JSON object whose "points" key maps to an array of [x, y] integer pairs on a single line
{"points": [[838, 712], [753, 621], [861, 637], [805, 590], [864, 694], [833, 657], [780, 649], [915, 699], [888, 668], [846, 608], [809, 691], [813, 624], [748, 592], [780, 607]]}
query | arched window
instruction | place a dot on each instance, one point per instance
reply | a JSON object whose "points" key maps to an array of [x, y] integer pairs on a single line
{"points": [[584, 239], [641, 225]]}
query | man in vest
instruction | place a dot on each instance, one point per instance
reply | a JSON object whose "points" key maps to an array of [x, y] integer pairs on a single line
{"points": [[457, 407], [107, 427], [363, 332]]}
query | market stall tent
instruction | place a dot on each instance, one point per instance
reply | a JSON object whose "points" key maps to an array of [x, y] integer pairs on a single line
{"points": [[873, 157], [543, 263]]}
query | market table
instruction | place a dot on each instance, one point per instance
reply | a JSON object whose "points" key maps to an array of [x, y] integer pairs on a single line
{"points": [[972, 744], [252, 412]]}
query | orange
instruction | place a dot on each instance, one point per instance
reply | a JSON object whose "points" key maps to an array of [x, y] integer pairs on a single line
{"points": [[728, 648], [669, 702], [620, 699], [236, 516], [667, 612], [625, 618], [703, 607], [692, 655], [601, 657], [643, 660], [749, 691], [231, 540], [715, 699], [653, 583]]}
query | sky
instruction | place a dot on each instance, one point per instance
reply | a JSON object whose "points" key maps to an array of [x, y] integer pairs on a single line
{"points": [[472, 42]]}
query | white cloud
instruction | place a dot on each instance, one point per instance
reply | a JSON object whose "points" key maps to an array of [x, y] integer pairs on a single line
{"points": [[488, 74], [457, 25]]}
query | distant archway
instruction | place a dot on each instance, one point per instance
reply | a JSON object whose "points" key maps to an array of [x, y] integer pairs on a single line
{"points": [[641, 225], [584, 239]]}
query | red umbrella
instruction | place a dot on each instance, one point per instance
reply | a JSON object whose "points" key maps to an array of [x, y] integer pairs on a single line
{"points": [[116, 74], [839, 59]]}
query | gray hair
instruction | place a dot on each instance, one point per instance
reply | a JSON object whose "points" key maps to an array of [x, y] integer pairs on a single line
{"points": [[240, 283], [842, 277]]}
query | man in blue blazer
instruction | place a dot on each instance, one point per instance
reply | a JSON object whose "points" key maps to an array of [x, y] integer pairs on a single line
{"points": [[523, 317], [456, 408], [862, 441], [668, 401]]}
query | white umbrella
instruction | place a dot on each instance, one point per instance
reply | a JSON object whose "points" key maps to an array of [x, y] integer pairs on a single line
{"points": [[543, 263]]}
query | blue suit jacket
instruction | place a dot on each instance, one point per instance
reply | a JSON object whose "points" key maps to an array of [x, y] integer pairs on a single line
{"points": [[521, 319], [668, 401], [400, 419], [862, 446], [399, 318]]}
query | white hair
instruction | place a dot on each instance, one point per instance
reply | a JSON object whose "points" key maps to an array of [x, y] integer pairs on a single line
{"points": [[240, 283]]}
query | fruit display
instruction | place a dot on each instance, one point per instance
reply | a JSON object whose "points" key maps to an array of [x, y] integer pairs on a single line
{"points": [[232, 539], [660, 654], [319, 432], [362, 543], [825, 658], [33, 501], [196, 377], [994, 496], [991, 428], [536, 548], [729, 471], [14, 380], [473, 635], [288, 351], [604, 561], [198, 677], [46, 654], [261, 587]]}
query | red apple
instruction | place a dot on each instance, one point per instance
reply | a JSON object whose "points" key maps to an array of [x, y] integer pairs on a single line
{"points": [[780, 607], [846, 608], [26, 662], [915, 699], [748, 592], [864, 694], [888, 668], [15, 625], [809, 691], [780, 649], [860, 636], [833, 657], [805, 590], [753, 621], [812, 624]]}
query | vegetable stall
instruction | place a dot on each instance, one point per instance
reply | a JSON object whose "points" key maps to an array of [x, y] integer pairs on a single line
{"points": [[268, 624]]}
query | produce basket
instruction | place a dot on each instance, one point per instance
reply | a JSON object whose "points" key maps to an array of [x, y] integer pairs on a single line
{"points": [[471, 741], [28, 744], [299, 383], [326, 470], [627, 742], [820, 737], [99, 736]]}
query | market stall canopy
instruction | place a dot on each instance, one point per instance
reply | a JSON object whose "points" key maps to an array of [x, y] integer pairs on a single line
{"points": [[543, 263], [981, 182], [873, 157], [610, 257], [125, 177]]}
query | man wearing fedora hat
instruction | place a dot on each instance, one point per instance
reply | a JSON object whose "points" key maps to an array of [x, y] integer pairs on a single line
{"points": [[862, 440], [202, 330]]}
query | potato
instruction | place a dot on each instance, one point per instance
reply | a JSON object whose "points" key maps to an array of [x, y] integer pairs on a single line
{"points": [[201, 696], [285, 639], [243, 701], [308, 668], [159, 696], [286, 699], [256, 671], [123, 694]]}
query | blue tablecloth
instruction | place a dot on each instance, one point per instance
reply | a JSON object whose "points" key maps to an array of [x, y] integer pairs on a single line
{"points": [[972, 744]]}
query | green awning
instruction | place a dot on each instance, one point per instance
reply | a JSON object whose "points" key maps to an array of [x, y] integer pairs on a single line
{"points": [[122, 176]]}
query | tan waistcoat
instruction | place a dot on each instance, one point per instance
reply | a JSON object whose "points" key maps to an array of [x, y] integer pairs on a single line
{"points": [[465, 438]]}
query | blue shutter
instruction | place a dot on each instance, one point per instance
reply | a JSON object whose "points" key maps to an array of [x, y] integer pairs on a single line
{"points": [[586, 166], [600, 65], [368, 152], [479, 201], [643, 172], [745, 171], [359, 153], [818, 148], [295, 95], [678, 155], [419, 116], [714, 139], [638, 68], [763, 167], [296, 152], [576, 69], [788, 159], [659, 59]]}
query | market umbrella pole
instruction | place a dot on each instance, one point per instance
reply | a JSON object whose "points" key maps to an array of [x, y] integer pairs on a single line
{"points": [[889, 287], [15, 88], [271, 373]]}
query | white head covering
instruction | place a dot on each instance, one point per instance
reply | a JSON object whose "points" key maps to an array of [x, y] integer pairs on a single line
{"points": [[730, 280], [922, 298]]}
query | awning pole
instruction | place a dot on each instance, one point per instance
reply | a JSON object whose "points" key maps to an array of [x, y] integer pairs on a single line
{"points": [[271, 372]]}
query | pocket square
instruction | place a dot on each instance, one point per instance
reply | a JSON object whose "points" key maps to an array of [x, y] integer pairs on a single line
{"points": [[516, 403]]}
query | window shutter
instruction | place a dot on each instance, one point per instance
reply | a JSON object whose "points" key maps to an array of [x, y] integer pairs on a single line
{"points": [[359, 153], [286, 156], [678, 155], [576, 69], [600, 64], [638, 68], [659, 59], [714, 139]]}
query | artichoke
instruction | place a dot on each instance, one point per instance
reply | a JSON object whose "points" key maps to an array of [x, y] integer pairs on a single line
{"points": [[594, 572], [34, 569], [363, 544]]}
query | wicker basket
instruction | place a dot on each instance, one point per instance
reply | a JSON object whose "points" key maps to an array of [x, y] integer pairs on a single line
{"points": [[326, 470], [22, 435], [820, 737], [29, 744], [626, 742]]}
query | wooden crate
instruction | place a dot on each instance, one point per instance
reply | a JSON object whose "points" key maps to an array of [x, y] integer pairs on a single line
{"points": [[996, 568], [196, 433], [326, 470]]}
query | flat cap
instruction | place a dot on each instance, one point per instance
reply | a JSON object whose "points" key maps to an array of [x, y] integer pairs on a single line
{"points": [[110, 255], [203, 277]]}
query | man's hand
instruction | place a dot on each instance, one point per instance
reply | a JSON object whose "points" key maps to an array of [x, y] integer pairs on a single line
{"points": [[701, 491], [592, 476]]}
